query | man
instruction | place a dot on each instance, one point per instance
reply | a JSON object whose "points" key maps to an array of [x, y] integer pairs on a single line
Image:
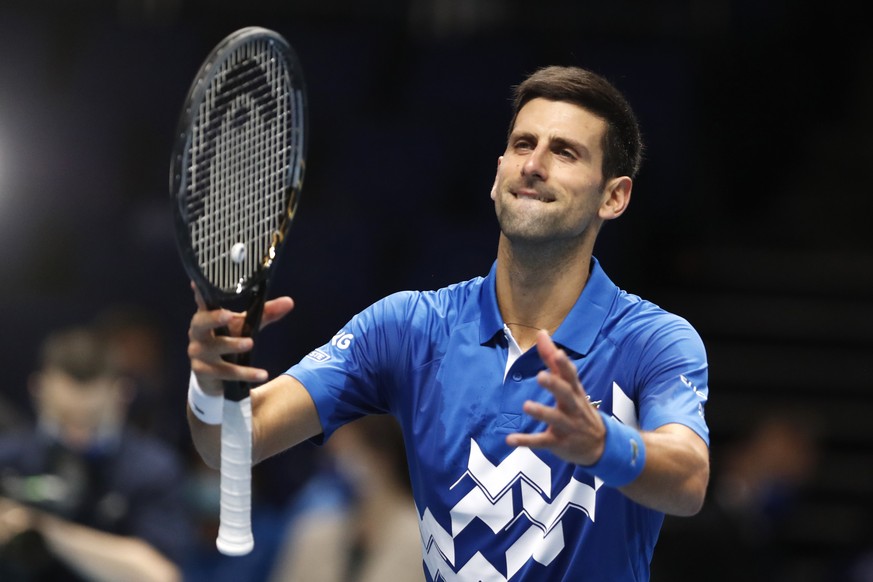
{"points": [[82, 497], [551, 463]]}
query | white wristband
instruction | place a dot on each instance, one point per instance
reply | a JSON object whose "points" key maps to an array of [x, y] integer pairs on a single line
{"points": [[208, 408]]}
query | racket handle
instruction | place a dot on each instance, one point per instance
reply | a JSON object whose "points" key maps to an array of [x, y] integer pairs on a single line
{"points": [[235, 530]]}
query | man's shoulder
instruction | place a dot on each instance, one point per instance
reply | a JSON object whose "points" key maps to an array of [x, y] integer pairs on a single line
{"points": [[635, 317], [442, 302]]}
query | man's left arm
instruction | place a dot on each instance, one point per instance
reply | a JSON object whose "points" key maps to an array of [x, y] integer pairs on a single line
{"points": [[676, 472], [666, 469]]}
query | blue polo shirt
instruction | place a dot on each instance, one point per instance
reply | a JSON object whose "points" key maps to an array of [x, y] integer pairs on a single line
{"points": [[436, 361]]}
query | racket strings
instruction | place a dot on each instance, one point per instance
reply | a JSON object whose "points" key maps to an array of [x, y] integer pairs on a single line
{"points": [[241, 150]]}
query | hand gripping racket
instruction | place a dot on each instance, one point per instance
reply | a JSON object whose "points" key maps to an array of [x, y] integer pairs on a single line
{"points": [[235, 179]]}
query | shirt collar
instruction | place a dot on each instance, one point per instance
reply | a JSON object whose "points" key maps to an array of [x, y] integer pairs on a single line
{"points": [[490, 322], [578, 330]]}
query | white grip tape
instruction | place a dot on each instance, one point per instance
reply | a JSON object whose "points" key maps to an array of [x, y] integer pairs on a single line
{"points": [[235, 530]]}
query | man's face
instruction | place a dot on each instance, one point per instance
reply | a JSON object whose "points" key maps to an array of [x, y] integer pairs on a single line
{"points": [[549, 183], [80, 411]]}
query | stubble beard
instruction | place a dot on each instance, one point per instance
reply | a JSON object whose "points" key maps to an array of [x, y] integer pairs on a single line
{"points": [[544, 224], [545, 237], [527, 229], [531, 225]]}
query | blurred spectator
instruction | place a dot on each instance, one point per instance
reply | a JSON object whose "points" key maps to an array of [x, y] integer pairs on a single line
{"points": [[760, 484], [83, 496], [10, 417], [138, 348], [356, 521], [763, 476]]}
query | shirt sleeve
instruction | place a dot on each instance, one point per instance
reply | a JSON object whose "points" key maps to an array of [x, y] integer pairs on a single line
{"points": [[673, 378], [352, 374]]}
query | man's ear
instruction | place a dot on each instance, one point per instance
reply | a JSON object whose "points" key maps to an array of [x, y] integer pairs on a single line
{"points": [[494, 187], [616, 197]]}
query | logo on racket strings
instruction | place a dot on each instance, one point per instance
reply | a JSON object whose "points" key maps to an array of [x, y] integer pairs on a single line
{"points": [[243, 95]]}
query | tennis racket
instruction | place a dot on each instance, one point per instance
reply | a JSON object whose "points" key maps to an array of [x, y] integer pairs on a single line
{"points": [[235, 179]]}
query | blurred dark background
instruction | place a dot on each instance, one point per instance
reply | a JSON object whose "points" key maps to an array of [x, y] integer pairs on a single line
{"points": [[750, 217]]}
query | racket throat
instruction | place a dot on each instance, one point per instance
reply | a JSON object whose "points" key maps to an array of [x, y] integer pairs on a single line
{"points": [[237, 391], [256, 309]]}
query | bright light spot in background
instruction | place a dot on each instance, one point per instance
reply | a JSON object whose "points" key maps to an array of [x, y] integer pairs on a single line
{"points": [[11, 215], [6, 187], [5, 165]]}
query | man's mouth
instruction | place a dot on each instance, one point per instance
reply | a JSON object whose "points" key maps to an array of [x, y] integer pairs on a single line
{"points": [[530, 194]]}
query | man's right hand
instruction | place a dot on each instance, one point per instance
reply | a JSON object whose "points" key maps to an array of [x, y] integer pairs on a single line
{"points": [[206, 348]]}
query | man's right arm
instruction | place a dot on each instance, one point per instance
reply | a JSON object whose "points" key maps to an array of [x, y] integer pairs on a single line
{"points": [[283, 413]]}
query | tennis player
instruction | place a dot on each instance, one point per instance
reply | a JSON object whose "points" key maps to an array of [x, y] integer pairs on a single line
{"points": [[551, 419]]}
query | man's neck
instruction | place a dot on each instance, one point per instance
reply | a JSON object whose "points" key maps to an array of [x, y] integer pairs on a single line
{"points": [[537, 287]]}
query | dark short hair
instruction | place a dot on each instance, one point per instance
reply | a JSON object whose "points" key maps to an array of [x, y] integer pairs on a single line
{"points": [[80, 352], [622, 142]]}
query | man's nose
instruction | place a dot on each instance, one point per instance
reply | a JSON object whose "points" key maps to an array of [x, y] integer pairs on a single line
{"points": [[536, 165]]}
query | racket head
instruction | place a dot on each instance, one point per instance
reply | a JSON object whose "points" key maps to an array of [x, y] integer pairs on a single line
{"points": [[238, 163]]}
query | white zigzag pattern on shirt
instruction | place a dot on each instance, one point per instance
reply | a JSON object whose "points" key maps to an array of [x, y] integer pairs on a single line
{"points": [[491, 501]]}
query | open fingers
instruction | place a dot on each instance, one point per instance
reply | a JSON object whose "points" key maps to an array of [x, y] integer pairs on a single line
{"points": [[204, 323], [214, 338], [214, 348], [220, 369], [557, 419], [536, 440], [574, 430], [572, 404], [556, 359], [276, 309], [212, 361], [560, 378], [207, 319], [198, 297], [567, 396]]}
